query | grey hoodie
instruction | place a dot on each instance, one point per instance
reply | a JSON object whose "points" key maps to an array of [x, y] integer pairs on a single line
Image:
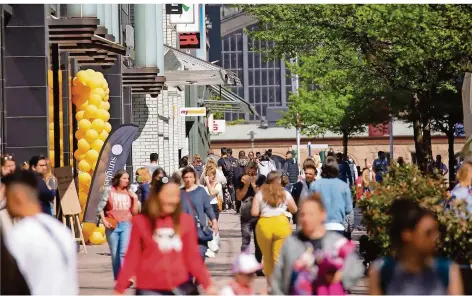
{"points": [[294, 247]]}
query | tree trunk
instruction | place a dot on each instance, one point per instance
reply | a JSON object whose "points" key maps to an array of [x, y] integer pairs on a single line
{"points": [[345, 142], [421, 132]]}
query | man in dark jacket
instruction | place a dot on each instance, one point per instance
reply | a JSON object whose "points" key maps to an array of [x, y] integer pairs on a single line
{"points": [[291, 168], [344, 169], [38, 165]]}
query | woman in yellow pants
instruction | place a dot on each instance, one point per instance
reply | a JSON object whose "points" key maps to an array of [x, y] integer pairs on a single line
{"points": [[270, 204]]}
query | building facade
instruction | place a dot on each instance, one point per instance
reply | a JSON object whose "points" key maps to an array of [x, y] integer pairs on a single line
{"points": [[137, 48]]}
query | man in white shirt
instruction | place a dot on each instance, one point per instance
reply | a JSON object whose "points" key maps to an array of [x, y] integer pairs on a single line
{"points": [[42, 247]]}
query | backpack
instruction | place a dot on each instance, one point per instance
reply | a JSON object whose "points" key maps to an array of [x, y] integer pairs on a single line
{"points": [[228, 171], [441, 267]]}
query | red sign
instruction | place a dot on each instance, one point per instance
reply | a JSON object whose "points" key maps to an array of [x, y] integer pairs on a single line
{"points": [[189, 40], [379, 130]]}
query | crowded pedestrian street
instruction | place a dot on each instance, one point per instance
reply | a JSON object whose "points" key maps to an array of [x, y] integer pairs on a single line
{"points": [[235, 149], [96, 277]]}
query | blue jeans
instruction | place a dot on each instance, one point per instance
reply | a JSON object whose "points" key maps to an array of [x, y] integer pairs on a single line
{"points": [[203, 249], [118, 240]]}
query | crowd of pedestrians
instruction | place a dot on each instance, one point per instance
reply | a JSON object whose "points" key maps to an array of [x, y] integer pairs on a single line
{"points": [[160, 228]]}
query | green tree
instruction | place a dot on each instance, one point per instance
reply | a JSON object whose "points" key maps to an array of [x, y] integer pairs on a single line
{"points": [[335, 94], [409, 48]]}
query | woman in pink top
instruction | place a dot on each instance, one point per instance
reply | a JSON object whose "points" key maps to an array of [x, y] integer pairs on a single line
{"points": [[117, 207]]}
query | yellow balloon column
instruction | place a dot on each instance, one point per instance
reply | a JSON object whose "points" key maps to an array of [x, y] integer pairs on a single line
{"points": [[90, 96]]}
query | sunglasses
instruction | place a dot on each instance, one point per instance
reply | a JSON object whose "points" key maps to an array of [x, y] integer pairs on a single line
{"points": [[7, 157]]}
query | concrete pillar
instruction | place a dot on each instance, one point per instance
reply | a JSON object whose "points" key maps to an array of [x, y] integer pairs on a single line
{"points": [[108, 18], [101, 13], [149, 36], [115, 18]]}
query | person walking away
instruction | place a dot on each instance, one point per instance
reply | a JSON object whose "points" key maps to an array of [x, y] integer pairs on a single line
{"points": [[414, 270], [153, 163], [227, 167], [336, 195], [43, 248], [301, 189], [238, 173], [51, 183], [38, 165], [196, 202], [291, 168], [163, 248], [8, 165], [214, 190], [463, 189], [245, 191], [117, 206], [143, 179], [244, 269], [440, 167], [380, 166], [197, 164], [354, 172], [344, 169], [270, 205], [210, 155], [338, 268]]}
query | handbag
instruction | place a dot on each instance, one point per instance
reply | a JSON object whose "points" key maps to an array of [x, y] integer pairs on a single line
{"points": [[204, 234], [187, 288], [220, 203], [112, 222]]}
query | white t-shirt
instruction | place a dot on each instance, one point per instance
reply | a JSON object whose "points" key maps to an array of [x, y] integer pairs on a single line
{"points": [[268, 211], [46, 255], [218, 188]]}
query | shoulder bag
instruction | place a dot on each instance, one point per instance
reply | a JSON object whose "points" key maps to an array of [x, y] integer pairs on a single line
{"points": [[203, 232]]}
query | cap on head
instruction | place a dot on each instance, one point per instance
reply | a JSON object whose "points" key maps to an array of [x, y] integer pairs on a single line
{"points": [[246, 263]]}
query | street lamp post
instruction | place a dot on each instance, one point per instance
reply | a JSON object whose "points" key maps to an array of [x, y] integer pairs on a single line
{"points": [[295, 86], [251, 134]]}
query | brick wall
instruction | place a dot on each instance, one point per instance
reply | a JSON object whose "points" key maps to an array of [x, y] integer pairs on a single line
{"points": [[162, 129]]}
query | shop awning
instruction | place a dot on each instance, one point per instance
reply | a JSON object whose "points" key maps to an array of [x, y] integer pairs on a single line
{"points": [[228, 101], [195, 71]]}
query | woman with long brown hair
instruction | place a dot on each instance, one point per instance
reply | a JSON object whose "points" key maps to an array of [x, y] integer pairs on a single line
{"points": [[117, 206], [8, 164], [270, 204], [163, 248]]}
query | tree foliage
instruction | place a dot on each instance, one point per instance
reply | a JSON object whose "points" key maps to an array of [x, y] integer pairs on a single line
{"points": [[414, 51]]}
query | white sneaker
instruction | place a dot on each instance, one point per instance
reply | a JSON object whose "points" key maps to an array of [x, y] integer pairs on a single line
{"points": [[210, 254]]}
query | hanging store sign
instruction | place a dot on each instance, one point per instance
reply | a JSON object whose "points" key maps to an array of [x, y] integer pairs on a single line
{"points": [[218, 126], [174, 8], [188, 27], [189, 40], [193, 111], [186, 15]]}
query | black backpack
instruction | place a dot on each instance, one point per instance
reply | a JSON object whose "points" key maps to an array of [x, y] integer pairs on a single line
{"points": [[228, 170]]}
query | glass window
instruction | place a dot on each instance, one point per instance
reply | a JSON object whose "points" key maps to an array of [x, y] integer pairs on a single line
{"points": [[251, 77], [263, 44], [233, 43], [241, 75], [257, 94], [264, 94], [271, 95], [233, 61], [250, 60], [239, 42], [277, 64], [271, 77], [240, 60], [259, 109], [257, 60], [277, 94], [277, 77], [226, 43], [226, 57], [270, 64], [257, 77], [250, 44], [264, 77]]}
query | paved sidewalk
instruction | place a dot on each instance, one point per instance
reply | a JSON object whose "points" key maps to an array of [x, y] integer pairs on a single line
{"points": [[96, 277]]}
